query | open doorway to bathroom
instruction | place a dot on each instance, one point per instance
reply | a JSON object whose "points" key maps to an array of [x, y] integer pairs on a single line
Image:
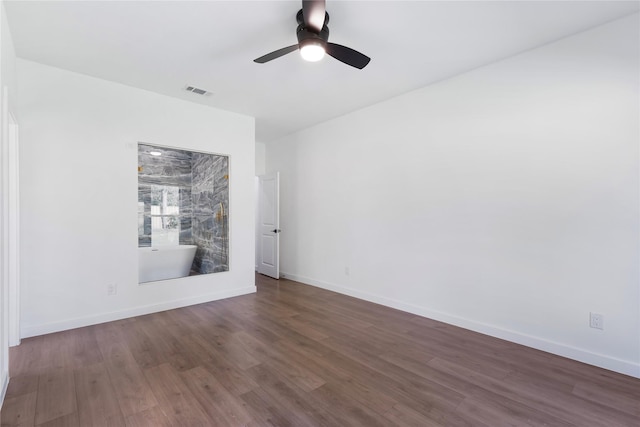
{"points": [[183, 213]]}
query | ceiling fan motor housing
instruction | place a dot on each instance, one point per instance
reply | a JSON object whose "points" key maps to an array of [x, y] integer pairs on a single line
{"points": [[307, 35]]}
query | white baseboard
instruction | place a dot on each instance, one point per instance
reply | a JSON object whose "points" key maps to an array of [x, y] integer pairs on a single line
{"points": [[603, 361], [3, 391], [47, 328]]}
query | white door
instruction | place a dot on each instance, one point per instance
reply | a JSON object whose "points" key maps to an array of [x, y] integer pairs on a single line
{"points": [[269, 225]]}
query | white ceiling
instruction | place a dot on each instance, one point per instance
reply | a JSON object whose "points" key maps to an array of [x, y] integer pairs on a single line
{"points": [[165, 46]]}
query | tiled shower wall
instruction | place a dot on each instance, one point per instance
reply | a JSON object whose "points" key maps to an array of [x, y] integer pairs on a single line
{"points": [[203, 183], [210, 195]]}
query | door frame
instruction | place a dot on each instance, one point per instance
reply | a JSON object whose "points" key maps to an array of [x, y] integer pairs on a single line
{"points": [[14, 230], [11, 221]]}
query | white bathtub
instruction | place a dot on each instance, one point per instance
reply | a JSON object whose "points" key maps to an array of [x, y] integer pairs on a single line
{"points": [[164, 262]]}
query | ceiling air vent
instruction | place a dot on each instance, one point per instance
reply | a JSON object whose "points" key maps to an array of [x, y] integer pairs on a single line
{"points": [[197, 90]]}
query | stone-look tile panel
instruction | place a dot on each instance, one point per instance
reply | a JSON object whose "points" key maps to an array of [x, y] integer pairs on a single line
{"points": [[173, 167], [210, 196]]}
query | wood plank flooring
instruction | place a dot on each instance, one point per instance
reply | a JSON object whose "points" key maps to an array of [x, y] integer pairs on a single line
{"points": [[295, 355]]}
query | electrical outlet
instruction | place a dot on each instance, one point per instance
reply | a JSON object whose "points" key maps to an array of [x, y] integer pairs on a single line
{"points": [[596, 320], [112, 289], [346, 271]]}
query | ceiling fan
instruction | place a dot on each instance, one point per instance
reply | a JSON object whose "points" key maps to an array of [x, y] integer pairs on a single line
{"points": [[313, 36]]}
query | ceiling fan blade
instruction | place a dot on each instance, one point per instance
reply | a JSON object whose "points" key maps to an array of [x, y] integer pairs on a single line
{"points": [[313, 12], [276, 54], [347, 55]]}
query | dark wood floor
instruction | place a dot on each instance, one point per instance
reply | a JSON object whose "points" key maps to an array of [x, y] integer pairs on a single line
{"points": [[294, 355]]}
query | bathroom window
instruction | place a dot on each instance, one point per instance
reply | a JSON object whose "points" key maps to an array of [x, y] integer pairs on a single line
{"points": [[165, 215]]}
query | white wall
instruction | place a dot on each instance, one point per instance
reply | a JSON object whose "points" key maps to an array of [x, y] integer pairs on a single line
{"points": [[78, 177], [261, 153], [7, 205], [504, 200]]}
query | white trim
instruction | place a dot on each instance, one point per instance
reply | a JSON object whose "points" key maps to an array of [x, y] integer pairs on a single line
{"points": [[47, 328], [607, 362], [4, 244], [256, 211], [13, 237]]}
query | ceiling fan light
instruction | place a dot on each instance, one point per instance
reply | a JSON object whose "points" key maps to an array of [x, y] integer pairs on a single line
{"points": [[312, 51]]}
